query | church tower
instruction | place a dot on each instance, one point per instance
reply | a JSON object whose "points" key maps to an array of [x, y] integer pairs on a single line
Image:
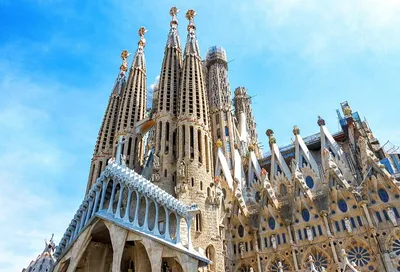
{"points": [[195, 169], [104, 144], [133, 108], [166, 136], [220, 102], [243, 105]]}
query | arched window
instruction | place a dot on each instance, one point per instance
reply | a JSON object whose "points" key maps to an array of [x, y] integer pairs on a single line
{"points": [[306, 215], [208, 191], [201, 186], [226, 131], [342, 205], [198, 222], [271, 223], [383, 195], [309, 182], [241, 231]]}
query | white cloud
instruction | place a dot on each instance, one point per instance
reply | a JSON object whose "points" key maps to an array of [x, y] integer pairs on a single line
{"points": [[321, 29]]}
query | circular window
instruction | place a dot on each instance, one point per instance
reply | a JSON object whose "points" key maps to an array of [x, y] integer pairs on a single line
{"points": [[309, 182], [271, 223], [306, 215], [241, 231], [342, 205], [383, 195], [359, 255]]}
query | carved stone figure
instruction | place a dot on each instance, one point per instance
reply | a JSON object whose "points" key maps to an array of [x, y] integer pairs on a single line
{"points": [[123, 159], [392, 216], [241, 246], [310, 236], [156, 162], [182, 169], [348, 225], [273, 241]]}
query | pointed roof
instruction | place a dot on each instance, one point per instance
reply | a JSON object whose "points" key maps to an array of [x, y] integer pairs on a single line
{"points": [[192, 46], [173, 36], [121, 79], [45, 260], [139, 60]]}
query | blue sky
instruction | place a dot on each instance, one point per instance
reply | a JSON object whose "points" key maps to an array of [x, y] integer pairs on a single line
{"points": [[59, 60]]}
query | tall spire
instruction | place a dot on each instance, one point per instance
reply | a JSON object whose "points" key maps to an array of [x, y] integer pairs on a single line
{"points": [[192, 47], [139, 60], [168, 91], [173, 37], [104, 145], [133, 107], [195, 183]]}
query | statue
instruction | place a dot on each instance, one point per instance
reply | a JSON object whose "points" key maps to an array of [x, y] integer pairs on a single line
{"points": [[251, 269], [111, 160], [156, 162], [123, 160], [280, 266], [182, 170], [241, 247], [155, 177], [392, 216], [273, 241], [309, 234], [348, 225]]}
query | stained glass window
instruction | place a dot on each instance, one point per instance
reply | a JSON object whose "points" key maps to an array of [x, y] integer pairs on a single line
{"points": [[306, 215], [309, 182], [359, 255], [342, 205], [383, 195]]}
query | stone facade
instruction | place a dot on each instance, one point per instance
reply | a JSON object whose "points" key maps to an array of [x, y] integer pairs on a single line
{"points": [[203, 197]]}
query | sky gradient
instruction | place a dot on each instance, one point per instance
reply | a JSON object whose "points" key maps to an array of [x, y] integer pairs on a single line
{"points": [[59, 60]]}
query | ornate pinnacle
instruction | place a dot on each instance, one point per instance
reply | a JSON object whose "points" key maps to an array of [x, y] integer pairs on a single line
{"points": [[124, 66], [270, 134], [141, 33], [321, 122], [173, 12], [190, 16], [296, 130]]}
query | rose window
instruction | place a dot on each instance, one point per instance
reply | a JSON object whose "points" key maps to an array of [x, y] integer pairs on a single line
{"points": [[396, 247], [320, 261], [359, 255], [275, 266]]}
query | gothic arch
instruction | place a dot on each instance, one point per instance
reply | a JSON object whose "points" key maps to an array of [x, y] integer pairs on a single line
{"points": [[210, 254], [321, 258], [244, 266], [272, 264], [136, 257], [360, 252], [392, 245]]}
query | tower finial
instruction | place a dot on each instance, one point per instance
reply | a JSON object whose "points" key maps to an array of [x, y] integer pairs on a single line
{"points": [[124, 66], [141, 33], [173, 12], [190, 16]]}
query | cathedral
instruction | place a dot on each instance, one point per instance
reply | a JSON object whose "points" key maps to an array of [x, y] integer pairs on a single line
{"points": [[183, 185]]}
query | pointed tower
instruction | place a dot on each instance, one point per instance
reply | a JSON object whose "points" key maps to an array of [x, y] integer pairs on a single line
{"points": [[166, 136], [104, 145], [195, 178], [220, 101], [243, 105], [45, 261], [133, 108]]}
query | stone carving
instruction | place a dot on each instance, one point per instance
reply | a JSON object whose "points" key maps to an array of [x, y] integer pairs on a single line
{"points": [[156, 162], [273, 241], [310, 236], [155, 177], [348, 225], [241, 246], [392, 216], [111, 160], [123, 160], [182, 169]]}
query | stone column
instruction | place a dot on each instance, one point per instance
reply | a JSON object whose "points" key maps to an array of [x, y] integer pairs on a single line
{"points": [[118, 237]]}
